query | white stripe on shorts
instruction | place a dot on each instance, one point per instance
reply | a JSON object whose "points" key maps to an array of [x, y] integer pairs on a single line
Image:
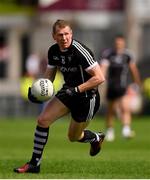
{"points": [[91, 109]]}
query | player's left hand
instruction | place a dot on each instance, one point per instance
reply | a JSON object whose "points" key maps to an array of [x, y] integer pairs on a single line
{"points": [[32, 98]]}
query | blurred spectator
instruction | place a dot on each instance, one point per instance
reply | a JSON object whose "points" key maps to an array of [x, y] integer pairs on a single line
{"points": [[4, 55], [33, 65]]}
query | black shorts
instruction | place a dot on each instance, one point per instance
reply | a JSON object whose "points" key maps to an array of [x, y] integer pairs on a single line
{"points": [[115, 93], [81, 108]]}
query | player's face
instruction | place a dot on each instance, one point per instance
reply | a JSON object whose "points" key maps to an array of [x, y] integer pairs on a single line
{"points": [[120, 43], [63, 36]]}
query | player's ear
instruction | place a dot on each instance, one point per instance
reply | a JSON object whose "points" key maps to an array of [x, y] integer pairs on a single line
{"points": [[54, 36]]}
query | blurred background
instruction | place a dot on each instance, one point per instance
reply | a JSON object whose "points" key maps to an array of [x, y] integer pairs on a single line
{"points": [[25, 36]]}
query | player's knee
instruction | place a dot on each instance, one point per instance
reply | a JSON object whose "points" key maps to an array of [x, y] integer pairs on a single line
{"points": [[42, 121], [125, 110]]}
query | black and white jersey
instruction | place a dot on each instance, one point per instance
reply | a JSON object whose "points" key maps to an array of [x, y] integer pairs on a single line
{"points": [[73, 62], [118, 66]]}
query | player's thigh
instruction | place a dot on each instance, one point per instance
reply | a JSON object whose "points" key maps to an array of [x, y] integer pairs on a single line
{"points": [[53, 110], [75, 131]]}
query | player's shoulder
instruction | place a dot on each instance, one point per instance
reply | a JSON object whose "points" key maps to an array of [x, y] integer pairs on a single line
{"points": [[53, 51], [107, 52], [53, 48], [129, 53], [79, 46]]}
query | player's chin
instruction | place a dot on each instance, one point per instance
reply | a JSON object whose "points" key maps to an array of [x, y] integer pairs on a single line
{"points": [[65, 45]]}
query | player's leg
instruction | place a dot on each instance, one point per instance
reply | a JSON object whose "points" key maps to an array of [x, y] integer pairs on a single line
{"points": [[82, 111], [53, 110], [78, 132], [110, 134], [126, 117], [110, 114]]}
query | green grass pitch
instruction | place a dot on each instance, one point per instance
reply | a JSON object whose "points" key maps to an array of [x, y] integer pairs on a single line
{"points": [[121, 159]]}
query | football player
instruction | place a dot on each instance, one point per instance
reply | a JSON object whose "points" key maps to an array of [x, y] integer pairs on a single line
{"points": [[79, 95], [116, 62]]}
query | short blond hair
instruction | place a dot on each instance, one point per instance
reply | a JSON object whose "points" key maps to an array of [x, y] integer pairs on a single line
{"points": [[61, 24]]}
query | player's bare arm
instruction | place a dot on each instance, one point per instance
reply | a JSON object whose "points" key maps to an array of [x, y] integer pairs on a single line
{"points": [[135, 73], [50, 73], [96, 79]]}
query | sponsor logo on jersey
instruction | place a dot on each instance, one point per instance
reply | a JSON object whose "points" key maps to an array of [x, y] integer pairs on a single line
{"points": [[69, 69]]}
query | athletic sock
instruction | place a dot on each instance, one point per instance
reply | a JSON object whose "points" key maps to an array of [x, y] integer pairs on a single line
{"points": [[40, 140], [89, 136], [126, 130]]}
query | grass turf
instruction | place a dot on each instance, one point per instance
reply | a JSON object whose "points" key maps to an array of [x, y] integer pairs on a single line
{"points": [[125, 159]]}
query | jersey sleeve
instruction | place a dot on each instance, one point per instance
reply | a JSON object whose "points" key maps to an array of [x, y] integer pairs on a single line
{"points": [[89, 61], [85, 56]]}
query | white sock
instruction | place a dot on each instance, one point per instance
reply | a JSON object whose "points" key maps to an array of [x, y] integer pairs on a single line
{"points": [[126, 130], [111, 129], [110, 135]]}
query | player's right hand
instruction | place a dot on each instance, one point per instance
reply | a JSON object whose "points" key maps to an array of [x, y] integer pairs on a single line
{"points": [[70, 91], [32, 98]]}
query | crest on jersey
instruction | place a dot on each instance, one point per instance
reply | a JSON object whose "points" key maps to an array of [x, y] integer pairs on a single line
{"points": [[63, 59], [69, 58], [55, 58]]}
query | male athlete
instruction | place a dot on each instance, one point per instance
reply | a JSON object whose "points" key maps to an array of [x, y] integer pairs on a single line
{"points": [[117, 61], [79, 95]]}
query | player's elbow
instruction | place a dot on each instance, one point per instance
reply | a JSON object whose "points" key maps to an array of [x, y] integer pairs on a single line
{"points": [[100, 79]]}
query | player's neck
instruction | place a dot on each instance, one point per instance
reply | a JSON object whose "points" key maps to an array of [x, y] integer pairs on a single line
{"points": [[119, 51]]}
